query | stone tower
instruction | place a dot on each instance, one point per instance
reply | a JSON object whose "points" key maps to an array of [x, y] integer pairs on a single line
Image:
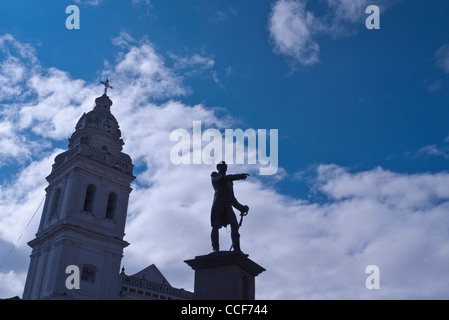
{"points": [[84, 216]]}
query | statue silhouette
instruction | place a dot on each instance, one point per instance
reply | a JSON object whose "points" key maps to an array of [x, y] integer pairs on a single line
{"points": [[224, 199]]}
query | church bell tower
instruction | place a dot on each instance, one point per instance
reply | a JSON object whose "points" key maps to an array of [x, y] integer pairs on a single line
{"points": [[84, 216]]}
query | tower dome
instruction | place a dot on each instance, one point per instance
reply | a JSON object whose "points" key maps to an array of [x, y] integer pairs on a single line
{"points": [[97, 136], [100, 118]]}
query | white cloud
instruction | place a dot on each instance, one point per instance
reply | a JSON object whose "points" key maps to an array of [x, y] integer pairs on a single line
{"points": [[58, 102], [195, 61], [10, 46], [11, 284], [141, 70], [294, 29], [440, 150], [435, 86], [349, 10], [18, 64], [442, 57], [433, 150], [20, 198], [89, 2], [97, 2], [17, 58], [310, 250], [142, 2], [11, 145], [222, 15]]}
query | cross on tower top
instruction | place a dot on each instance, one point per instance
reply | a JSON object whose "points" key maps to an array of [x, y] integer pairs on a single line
{"points": [[106, 86]]}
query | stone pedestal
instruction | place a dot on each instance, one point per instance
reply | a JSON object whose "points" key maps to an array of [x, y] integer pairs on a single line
{"points": [[224, 275]]}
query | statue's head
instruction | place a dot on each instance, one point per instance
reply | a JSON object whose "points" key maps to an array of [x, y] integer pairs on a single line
{"points": [[222, 167]]}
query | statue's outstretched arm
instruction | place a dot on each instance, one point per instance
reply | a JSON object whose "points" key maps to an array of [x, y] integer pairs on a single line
{"points": [[229, 177]]}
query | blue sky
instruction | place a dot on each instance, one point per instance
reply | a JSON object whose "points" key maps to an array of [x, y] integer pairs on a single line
{"points": [[362, 118]]}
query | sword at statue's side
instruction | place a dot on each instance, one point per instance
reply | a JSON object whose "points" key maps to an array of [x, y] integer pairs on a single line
{"points": [[242, 214]]}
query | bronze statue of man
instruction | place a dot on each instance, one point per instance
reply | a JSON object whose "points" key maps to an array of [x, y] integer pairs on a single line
{"points": [[224, 199]]}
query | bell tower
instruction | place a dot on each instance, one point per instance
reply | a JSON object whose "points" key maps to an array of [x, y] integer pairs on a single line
{"points": [[84, 215]]}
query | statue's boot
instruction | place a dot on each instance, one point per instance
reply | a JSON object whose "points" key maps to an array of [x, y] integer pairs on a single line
{"points": [[235, 237], [237, 248]]}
